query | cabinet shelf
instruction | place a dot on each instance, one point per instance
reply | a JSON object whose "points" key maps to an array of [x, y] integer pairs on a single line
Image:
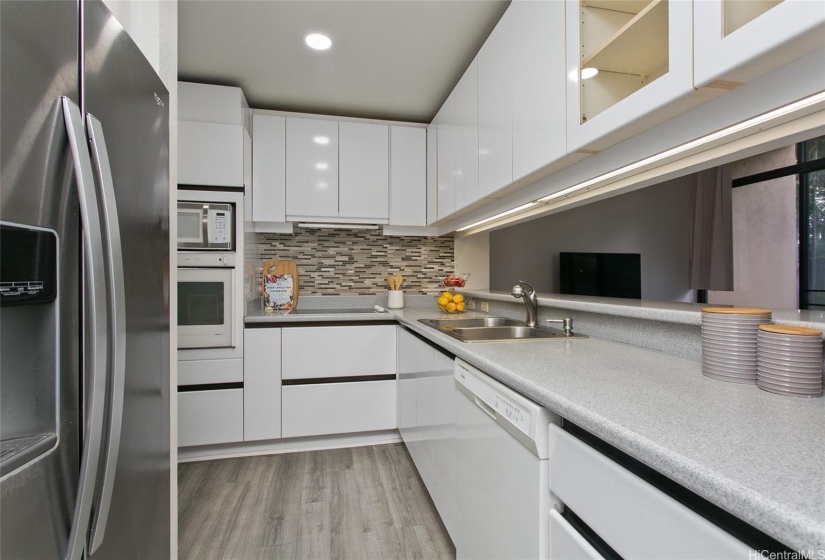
{"points": [[627, 6], [640, 47]]}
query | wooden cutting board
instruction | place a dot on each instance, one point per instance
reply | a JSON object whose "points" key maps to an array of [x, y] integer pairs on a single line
{"points": [[280, 268]]}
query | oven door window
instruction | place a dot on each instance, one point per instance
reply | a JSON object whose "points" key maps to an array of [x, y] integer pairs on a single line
{"points": [[200, 303], [205, 308]]}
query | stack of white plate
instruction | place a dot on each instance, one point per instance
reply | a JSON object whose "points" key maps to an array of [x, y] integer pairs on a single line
{"points": [[789, 361], [729, 342]]}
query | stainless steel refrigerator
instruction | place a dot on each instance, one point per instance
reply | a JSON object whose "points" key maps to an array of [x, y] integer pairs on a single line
{"points": [[84, 287]]}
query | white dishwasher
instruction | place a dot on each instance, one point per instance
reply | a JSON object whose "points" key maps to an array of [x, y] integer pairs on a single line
{"points": [[502, 490]]}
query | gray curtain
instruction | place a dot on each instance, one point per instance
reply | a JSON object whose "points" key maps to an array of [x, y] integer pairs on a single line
{"points": [[711, 238]]}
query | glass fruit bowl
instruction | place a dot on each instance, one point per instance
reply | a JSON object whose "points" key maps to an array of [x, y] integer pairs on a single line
{"points": [[454, 281], [448, 302]]}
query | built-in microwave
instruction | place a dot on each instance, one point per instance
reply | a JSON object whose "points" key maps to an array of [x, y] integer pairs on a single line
{"points": [[206, 226]]}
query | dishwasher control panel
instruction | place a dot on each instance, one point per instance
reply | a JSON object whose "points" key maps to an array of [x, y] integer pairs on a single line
{"points": [[524, 419], [513, 412]]}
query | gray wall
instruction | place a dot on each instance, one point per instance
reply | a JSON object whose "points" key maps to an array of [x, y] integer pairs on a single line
{"points": [[765, 236], [653, 222]]}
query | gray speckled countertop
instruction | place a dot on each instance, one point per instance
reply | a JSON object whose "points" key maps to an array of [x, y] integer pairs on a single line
{"points": [[757, 455], [668, 311]]}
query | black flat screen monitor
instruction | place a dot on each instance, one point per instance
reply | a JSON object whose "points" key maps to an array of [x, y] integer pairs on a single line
{"points": [[616, 275]]}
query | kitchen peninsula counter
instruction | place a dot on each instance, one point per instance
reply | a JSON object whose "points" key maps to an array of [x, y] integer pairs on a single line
{"points": [[757, 455]]}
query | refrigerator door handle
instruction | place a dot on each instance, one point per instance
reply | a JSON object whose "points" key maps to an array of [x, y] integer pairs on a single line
{"points": [[116, 328], [96, 347]]}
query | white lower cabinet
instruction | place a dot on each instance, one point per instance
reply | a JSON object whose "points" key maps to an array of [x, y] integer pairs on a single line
{"points": [[634, 518], [566, 543], [345, 351], [426, 419], [318, 397], [262, 384], [337, 408], [210, 417]]}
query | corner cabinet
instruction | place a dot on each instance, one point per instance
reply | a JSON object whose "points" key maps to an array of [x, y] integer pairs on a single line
{"points": [[408, 176], [738, 41], [642, 50], [426, 419], [432, 172], [458, 148], [495, 108]]}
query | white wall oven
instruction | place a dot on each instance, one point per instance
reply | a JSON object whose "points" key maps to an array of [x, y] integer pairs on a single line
{"points": [[206, 300]]}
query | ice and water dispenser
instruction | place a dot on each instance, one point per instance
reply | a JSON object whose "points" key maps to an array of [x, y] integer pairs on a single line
{"points": [[29, 377]]}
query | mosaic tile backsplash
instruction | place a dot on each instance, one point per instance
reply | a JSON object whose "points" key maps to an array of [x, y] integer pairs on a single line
{"points": [[355, 262]]}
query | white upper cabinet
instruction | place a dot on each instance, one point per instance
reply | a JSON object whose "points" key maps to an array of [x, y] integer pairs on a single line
{"points": [[212, 124], [642, 50], [466, 118], [213, 104], [363, 180], [408, 176], [269, 169], [432, 172], [311, 168], [539, 110], [210, 154], [737, 41], [449, 163], [495, 109]]}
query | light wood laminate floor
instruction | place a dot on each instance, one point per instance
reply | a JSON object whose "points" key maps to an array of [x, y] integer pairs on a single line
{"points": [[361, 502]]}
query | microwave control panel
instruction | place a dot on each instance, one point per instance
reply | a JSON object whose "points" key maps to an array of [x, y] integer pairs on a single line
{"points": [[221, 226]]}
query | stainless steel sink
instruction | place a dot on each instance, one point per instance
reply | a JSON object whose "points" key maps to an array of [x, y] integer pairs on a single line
{"points": [[494, 329], [470, 323]]}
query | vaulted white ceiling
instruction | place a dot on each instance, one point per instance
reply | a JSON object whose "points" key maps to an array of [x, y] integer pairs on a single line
{"points": [[390, 59]]}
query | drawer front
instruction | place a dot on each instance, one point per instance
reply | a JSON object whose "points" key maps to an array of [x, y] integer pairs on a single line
{"points": [[566, 543], [201, 372], [338, 408], [636, 519], [208, 417], [317, 352]]}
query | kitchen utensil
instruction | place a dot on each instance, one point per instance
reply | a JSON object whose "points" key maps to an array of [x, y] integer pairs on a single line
{"points": [[398, 280]]}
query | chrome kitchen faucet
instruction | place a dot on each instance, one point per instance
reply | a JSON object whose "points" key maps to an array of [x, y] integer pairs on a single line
{"points": [[526, 292]]}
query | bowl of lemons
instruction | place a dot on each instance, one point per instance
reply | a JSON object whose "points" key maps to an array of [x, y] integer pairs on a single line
{"points": [[449, 302]]}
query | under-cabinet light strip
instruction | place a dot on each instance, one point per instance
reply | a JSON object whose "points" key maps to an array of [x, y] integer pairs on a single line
{"points": [[336, 226], [497, 216], [782, 111]]}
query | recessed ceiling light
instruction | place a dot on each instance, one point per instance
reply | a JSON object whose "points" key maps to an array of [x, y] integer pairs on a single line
{"points": [[321, 140], [318, 41], [589, 73], [321, 165]]}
